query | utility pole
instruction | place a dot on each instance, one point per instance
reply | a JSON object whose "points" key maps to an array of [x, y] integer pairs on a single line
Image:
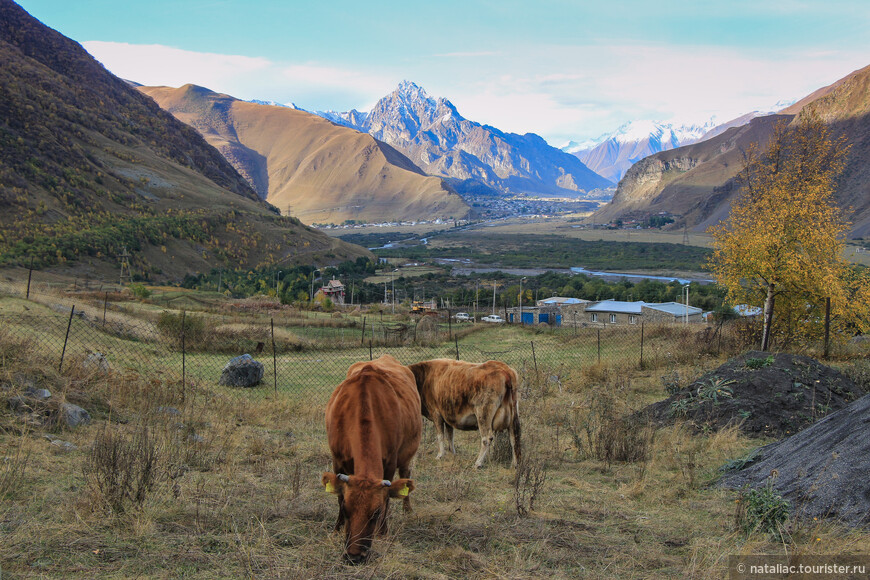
{"points": [[521, 300], [125, 267], [493, 296], [476, 297], [686, 318]]}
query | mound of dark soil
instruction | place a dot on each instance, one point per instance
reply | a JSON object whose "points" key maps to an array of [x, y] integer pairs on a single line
{"points": [[766, 394], [822, 471]]}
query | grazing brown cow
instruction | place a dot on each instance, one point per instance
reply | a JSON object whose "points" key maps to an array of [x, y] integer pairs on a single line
{"points": [[373, 425], [468, 396]]}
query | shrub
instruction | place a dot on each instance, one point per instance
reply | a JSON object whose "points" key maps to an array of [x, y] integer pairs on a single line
{"points": [[140, 291], [195, 328], [762, 510], [529, 482], [122, 469], [606, 435]]}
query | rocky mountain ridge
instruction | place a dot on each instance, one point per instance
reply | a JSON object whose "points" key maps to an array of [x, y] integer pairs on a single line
{"points": [[309, 167], [696, 182], [437, 138]]}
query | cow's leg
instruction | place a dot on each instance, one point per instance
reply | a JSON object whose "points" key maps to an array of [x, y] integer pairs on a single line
{"points": [[405, 473], [448, 432], [485, 414], [515, 438], [439, 431], [340, 522]]}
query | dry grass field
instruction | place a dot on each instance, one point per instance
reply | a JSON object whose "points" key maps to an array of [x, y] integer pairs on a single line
{"points": [[205, 482]]}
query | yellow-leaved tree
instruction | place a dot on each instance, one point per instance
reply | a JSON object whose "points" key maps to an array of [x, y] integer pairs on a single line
{"points": [[781, 248]]}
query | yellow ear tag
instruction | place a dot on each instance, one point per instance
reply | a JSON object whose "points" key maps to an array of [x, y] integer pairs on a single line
{"points": [[404, 491], [329, 487]]}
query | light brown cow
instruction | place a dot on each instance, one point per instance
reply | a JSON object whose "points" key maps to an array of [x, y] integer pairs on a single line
{"points": [[468, 396], [373, 426]]}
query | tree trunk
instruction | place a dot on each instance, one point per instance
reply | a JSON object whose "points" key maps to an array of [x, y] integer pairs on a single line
{"points": [[768, 318]]}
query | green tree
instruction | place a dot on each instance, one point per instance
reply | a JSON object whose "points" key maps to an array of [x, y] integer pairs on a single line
{"points": [[781, 247]]}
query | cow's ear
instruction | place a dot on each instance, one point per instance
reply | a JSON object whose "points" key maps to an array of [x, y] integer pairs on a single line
{"points": [[331, 482], [401, 488]]}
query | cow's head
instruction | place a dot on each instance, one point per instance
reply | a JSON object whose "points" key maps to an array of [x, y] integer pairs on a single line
{"points": [[363, 503]]}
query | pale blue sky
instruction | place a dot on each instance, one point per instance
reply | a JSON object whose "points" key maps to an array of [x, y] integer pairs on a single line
{"points": [[563, 69]]}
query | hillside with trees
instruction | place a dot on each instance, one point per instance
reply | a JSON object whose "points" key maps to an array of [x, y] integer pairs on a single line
{"points": [[89, 165]]}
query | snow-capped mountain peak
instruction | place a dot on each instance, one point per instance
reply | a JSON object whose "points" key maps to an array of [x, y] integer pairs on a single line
{"points": [[276, 104], [612, 154]]}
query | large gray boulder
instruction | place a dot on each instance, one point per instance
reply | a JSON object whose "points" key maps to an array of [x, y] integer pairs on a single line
{"points": [[242, 371]]}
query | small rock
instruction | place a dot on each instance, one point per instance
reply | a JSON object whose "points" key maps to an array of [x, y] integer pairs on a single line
{"points": [[73, 415], [19, 404], [65, 445], [96, 362], [39, 394]]}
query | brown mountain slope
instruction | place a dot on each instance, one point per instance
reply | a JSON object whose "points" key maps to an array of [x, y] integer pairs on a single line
{"points": [[682, 180], [697, 182], [307, 166], [89, 165]]}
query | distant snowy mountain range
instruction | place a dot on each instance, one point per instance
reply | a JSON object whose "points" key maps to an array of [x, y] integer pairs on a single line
{"points": [[611, 154], [432, 133], [438, 139]]}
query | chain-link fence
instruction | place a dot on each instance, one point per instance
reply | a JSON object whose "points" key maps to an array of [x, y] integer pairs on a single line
{"points": [[187, 340]]}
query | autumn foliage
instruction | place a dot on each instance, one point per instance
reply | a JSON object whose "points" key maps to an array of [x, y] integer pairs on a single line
{"points": [[782, 245]]}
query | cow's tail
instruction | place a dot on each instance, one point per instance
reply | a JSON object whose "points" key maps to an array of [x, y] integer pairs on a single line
{"points": [[513, 393]]}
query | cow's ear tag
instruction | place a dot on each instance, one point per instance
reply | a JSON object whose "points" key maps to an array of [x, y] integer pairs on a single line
{"points": [[329, 487], [404, 491]]}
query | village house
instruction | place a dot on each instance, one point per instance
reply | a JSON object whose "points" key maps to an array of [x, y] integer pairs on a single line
{"points": [[575, 312], [334, 290]]}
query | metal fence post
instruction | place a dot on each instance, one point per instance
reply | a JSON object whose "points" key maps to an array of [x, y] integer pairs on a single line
{"points": [[641, 344], [535, 360], [827, 327], [599, 346], [183, 356], [274, 356], [456, 342], [362, 339], [105, 305], [371, 357], [29, 274], [66, 338]]}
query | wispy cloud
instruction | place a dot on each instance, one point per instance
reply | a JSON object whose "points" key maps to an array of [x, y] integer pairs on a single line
{"points": [[560, 92], [308, 84], [471, 54]]}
